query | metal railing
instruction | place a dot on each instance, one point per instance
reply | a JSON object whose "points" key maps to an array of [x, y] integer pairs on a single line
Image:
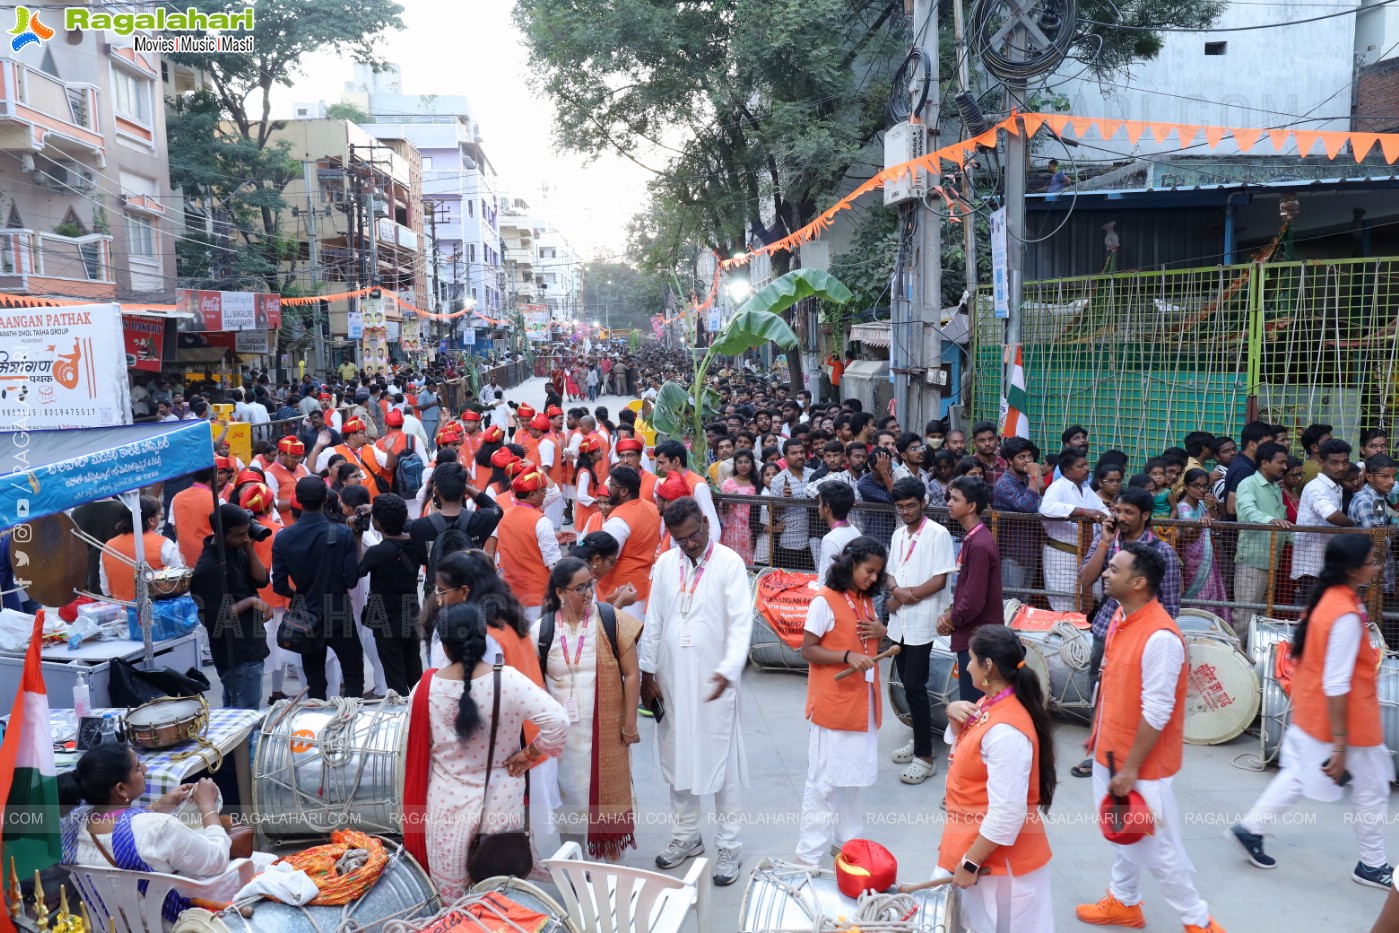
{"points": [[1210, 555]]}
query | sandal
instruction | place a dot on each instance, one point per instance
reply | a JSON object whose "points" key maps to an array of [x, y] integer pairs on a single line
{"points": [[918, 771], [1083, 769]]}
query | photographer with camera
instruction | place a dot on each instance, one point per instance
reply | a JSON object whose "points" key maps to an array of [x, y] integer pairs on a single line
{"points": [[312, 550], [229, 606]]}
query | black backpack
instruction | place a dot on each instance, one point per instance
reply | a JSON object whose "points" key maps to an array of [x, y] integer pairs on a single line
{"points": [[546, 632], [449, 539]]}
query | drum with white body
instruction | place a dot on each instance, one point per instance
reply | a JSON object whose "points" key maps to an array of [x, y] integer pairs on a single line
{"points": [[1195, 619], [323, 766], [786, 898], [402, 892], [1388, 689], [1275, 709], [480, 912], [942, 685], [1263, 633], [1221, 690], [766, 649], [1067, 652]]}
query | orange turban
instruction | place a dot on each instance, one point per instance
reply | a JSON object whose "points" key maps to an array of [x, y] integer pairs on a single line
{"points": [[248, 476], [449, 435], [553, 411], [471, 416], [353, 426], [292, 445], [256, 498], [503, 458], [515, 467], [394, 418], [590, 445], [526, 412], [223, 463], [529, 481], [539, 423], [630, 443], [494, 434], [673, 487]]}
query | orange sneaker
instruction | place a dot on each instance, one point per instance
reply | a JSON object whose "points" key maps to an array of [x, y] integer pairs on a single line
{"points": [[1211, 927], [1111, 912]]}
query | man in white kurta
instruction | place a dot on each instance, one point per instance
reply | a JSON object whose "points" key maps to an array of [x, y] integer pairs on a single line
{"points": [[694, 646], [1069, 496]]}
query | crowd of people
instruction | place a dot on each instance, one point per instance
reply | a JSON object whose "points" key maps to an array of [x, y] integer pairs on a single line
{"points": [[556, 572]]}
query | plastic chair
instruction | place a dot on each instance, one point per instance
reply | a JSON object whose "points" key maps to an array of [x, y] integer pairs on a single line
{"points": [[604, 898], [114, 899]]}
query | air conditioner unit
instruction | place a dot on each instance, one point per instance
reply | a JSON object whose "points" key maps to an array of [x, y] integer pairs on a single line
{"points": [[905, 142], [65, 176]]}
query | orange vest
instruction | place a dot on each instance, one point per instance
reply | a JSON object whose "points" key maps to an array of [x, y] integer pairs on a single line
{"points": [[581, 512], [967, 799], [286, 488], [648, 485], [604, 456], [593, 523], [1120, 696], [558, 472], [1309, 702], [531, 446], [121, 579], [639, 553], [190, 510], [369, 465], [521, 561], [843, 704], [264, 554]]}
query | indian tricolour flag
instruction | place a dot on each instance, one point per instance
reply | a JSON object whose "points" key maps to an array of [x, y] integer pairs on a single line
{"points": [[1014, 420], [28, 779]]}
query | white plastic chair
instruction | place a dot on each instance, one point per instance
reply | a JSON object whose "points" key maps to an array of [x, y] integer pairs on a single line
{"points": [[116, 904], [604, 898]]}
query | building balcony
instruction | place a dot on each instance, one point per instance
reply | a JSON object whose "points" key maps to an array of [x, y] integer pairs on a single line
{"points": [[521, 257], [397, 234], [33, 262], [41, 114]]}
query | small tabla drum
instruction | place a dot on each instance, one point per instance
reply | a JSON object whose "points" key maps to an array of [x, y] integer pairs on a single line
{"points": [[1066, 652], [319, 769], [786, 898], [1221, 690], [403, 892], [942, 686], [166, 722], [780, 601], [1193, 620], [1275, 707], [169, 583]]}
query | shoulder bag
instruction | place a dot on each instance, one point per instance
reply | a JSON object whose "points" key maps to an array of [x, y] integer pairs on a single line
{"points": [[301, 628], [508, 852]]}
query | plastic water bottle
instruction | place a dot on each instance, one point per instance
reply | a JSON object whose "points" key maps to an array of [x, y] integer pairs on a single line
{"points": [[109, 730], [82, 697]]}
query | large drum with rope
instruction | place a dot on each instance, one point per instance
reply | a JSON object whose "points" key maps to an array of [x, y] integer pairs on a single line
{"points": [[495, 905], [1067, 649], [942, 685], [1221, 689], [780, 600], [1275, 705], [403, 891], [787, 898], [326, 765], [1197, 621]]}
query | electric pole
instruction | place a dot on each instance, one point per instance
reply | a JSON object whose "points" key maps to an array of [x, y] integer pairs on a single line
{"points": [[964, 85], [431, 208], [922, 396], [308, 168]]}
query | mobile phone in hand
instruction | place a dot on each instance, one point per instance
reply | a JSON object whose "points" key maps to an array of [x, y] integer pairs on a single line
{"points": [[657, 708], [1345, 775]]}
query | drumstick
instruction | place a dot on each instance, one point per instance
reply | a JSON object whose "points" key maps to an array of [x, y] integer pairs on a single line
{"points": [[935, 883], [893, 650]]}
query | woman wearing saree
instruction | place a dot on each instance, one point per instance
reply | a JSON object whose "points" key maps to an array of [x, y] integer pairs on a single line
{"points": [[1202, 579]]}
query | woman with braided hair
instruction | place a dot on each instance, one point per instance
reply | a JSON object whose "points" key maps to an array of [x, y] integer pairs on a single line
{"points": [[1001, 777], [446, 801]]}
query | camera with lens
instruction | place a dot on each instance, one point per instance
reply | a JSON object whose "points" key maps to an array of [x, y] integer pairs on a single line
{"points": [[360, 522], [258, 531]]}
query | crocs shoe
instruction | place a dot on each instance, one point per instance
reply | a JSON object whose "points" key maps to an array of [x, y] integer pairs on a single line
{"points": [[904, 754], [918, 771]]}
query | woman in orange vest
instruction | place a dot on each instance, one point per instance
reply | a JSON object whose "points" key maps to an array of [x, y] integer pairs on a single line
{"points": [[117, 576], [842, 633], [1336, 735], [526, 547], [491, 440], [585, 479], [1001, 777]]}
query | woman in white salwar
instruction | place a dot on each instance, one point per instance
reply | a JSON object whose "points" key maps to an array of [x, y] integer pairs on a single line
{"points": [[1000, 778], [598, 681], [842, 633], [1336, 732]]}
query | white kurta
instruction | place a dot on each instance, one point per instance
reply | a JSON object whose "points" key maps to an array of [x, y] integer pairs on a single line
{"points": [[699, 743], [579, 681]]}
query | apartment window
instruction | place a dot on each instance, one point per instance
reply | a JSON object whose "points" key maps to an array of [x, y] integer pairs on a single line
{"points": [[140, 237], [471, 252], [427, 163], [1216, 48], [131, 96], [471, 208]]}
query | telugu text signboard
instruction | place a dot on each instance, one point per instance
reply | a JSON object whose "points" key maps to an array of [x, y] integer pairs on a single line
{"points": [[63, 368], [229, 311]]}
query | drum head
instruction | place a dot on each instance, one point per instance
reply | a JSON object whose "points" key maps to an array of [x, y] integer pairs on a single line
{"points": [[163, 712], [1264, 632], [1194, 619], [51, 560], [1221, 692]]}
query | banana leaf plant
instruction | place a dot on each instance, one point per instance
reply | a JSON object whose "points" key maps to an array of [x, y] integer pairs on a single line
{"points": [[757, 322]]}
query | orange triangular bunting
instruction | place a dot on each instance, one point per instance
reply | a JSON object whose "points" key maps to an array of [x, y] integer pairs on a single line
{"points": [[1361, 144], [1214, 135], [1011, 124], [1389, 143], [1033, 122], [1279, 138], [986, 140], [1057, 122], [1107, 128], [1306, 139], [1080, 126], [1246, 138], [1187, 134], [1160, 131], [1135, 129], [1333, 142]]}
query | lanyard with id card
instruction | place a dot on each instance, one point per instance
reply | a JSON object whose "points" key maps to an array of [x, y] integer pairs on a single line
{"points": [[687, 597], [865, 603]]}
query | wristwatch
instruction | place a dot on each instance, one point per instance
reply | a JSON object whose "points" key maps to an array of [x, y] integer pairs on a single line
{"points": [[969, 866]]}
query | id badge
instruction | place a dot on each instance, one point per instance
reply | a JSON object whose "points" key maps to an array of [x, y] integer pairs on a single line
{"points": [[570, 708], [869, 676], [687, 636]]}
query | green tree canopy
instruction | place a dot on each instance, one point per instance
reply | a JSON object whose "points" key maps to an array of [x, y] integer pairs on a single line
{"points": [[622, 294]]}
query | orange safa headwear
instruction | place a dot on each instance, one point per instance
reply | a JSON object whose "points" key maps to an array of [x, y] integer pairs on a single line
{"points": [[525, 412], [553, 411], [539, 423], [517, 466], [590, 445], [292, 445], [629, 443], [503, 458], [494, 434], [471, 416], [672, 488], [448, 436], [256, 498], [528, 482], [353, 426]]}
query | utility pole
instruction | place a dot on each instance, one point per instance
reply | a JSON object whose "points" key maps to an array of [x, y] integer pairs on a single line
{"points": [[1017, 167], [313, 253], [921, 399], [431, 208], [968, 189]]}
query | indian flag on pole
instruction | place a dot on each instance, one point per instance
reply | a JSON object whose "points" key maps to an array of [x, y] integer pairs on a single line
{"points": [[28, 778], [1014, 420]]}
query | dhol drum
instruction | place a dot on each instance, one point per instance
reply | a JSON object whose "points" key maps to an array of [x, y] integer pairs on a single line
{"points": [[1221, 690], [1388, 689], [786, 898], [942, 686], [1067, 652], [1263, 633], [402, 892], [323, 766], [1275, 707], [1012, 606], [1193, 620], [494, 905], [780, 601]]}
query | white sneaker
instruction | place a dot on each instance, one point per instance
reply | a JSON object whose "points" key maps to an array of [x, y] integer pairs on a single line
{"points": [[904, 754]]}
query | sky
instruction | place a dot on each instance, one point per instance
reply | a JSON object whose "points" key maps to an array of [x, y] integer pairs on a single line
{"points": [[474, 49]]}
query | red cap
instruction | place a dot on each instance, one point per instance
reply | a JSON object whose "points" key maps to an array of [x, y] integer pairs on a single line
{"points": [[223, 463], [494, 434], [553, 411], [531, 480], [248, 476], [672, 487], [1125, 820], [394, 418], [865, 866], [539, 423], [352, 426], [525, 411], [590, 445], [327, 397], [256, 498], [292, 445], [449, 435], [517, 466], [629, 443], [503, 458], [471, 416]]}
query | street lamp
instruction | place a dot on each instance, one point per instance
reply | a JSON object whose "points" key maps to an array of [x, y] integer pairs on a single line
{"points": [[740, 289]]}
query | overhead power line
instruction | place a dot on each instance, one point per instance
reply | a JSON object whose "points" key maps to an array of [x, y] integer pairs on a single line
{"points": [[1294, 22]]}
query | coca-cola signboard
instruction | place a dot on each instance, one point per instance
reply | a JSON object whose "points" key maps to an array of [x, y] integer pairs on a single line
{"points": [[229, 311]]}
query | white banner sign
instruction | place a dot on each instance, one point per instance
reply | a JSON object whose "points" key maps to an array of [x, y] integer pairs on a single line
{"points": [[62, 368], [253, 341], [1000, 284], [394, 329], [239, 310], [354, 322], [468, 337]]}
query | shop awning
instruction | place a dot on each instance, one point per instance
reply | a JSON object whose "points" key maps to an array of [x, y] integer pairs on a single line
{"points": [[872, 334]]}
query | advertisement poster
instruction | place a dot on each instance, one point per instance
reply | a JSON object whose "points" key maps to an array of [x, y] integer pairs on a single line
{"points": [[354, 323], [254, 341], [145, 341], [63, 368], [229, 311], [1000, 285]]}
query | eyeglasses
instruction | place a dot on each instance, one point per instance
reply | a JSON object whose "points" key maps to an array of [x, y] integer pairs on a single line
{"points": [[583, 589], [441, 592], [696, 536]]}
